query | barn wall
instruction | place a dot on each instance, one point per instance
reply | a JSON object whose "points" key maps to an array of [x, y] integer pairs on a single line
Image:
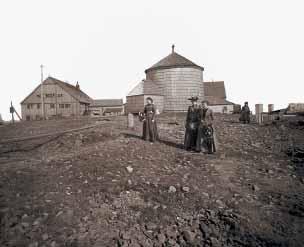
{"points": [[135, 104], [52, 104], [177, 85]]}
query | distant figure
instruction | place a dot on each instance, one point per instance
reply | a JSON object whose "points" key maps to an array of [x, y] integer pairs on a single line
{"points": [[1, 120], [245, 114], [206, 130], [192, 125], [149, 123]]}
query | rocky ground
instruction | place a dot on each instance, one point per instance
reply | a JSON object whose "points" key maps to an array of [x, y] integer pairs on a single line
{"points": [[104, 186]]}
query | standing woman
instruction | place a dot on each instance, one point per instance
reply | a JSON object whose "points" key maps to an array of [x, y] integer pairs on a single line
{"points": [[149, 123]]}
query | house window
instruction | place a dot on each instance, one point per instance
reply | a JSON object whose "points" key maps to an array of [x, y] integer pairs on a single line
{"points": [[29, 106], [59, 95], [61, 105], [52, 106], [38, 95], [38, 106], [67, 105], [27, 117]]}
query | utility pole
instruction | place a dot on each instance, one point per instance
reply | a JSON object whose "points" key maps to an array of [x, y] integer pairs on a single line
{"points": [[42, 97]]}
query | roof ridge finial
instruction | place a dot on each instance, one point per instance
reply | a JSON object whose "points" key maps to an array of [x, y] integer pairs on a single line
{"points": [[173, 46]]}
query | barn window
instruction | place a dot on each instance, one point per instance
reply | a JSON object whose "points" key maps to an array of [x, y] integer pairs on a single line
{"points": [[61, 105], [52, 106], [29, 106], [59, 95], [67, 105], [38, 95], [38, 106], [49, 95], [27, 117]]}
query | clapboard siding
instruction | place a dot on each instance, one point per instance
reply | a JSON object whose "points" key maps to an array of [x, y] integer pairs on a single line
{"points": [[177, 85]]}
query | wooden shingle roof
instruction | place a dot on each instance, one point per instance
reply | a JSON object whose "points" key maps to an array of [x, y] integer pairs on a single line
{"points": [[174, 60]]}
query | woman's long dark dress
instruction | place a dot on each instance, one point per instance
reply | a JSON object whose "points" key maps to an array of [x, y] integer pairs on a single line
{"points": [[192, 126], [149, 125]]}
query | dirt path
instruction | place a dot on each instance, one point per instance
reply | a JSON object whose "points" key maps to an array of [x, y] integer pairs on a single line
{"points": [[107, 187]]}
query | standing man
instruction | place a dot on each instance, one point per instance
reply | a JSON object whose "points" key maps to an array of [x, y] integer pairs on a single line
{"points": [[245, 114], [192, 125], [206, 130], [149, 123]]}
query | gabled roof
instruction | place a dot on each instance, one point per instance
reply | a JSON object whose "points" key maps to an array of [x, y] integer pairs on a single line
{"points": [[215, 89], [107, 102], [70, 89], [146, 87], [174, 60]]}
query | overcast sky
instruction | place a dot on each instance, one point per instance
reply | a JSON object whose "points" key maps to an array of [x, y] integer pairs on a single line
{"points": [[256, 47]]}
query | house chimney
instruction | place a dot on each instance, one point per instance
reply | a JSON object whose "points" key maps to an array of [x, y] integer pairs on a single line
{"points": [[77, 86], [173, 48]]}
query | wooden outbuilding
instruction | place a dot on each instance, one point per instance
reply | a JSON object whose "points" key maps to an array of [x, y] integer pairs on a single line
{"points": [[170, 83], [60, 99], [215, 94]]}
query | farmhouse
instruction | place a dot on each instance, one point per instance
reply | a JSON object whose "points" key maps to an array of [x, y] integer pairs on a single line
{"points": [[170, 83], [60, 99]]}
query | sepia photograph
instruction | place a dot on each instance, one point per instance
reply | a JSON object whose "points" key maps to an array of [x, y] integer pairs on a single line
{"points": [[151, 123]]}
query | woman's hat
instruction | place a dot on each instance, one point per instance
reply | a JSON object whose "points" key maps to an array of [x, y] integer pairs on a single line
{"points": [[195, 98], [149, 98]]}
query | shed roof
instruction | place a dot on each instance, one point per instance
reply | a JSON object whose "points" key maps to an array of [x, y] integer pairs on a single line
{"points": [[147, 87], [107, 102], [174, 60]]}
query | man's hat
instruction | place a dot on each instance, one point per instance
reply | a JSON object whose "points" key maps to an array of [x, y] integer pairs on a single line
{"points": [[193, 98], [246, 103]]}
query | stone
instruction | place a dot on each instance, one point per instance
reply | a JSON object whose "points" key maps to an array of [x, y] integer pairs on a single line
{"points": [[161, 238], [25, 224], [188, 236], [205, 194], [53, 244], [129, 169], [186, 189], [255, 187], [151, 226], [45, 237], [172, 189], [34, 244]]}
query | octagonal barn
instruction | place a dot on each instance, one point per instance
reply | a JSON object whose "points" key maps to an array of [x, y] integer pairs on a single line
{"points": [[170, 83]]}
